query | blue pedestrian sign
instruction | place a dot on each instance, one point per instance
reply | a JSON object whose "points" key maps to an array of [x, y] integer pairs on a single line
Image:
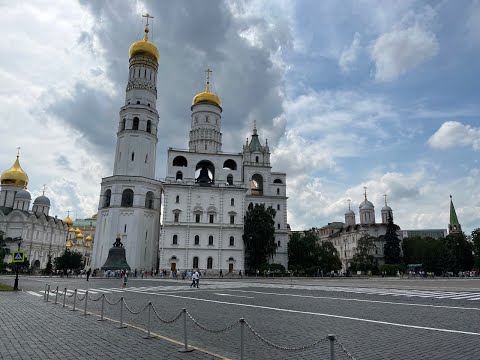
{"points": [[18, 256]]}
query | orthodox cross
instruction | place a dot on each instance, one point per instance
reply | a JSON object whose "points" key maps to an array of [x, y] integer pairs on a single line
{"points": [[208, 71], [148, 16], [349, 201], [385, 196], [365, 192], [18, 151], [44, 188]]}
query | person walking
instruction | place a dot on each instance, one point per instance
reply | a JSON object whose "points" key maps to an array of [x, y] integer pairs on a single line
{"points": [[221, 273], [197, 278], [88, 273], [125, 280], [240, 274], [194, 279]]}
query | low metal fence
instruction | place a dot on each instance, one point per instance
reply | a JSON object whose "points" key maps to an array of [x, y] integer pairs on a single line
{"points": [[185, 315]]}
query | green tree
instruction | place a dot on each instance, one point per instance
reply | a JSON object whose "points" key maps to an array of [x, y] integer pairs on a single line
{"points": [[258, 235], [302, 250], [328, 257], [69, 260], [391, 246], [4, 251], [49, 267], [363, 258], [476, 248], [457, 253]]}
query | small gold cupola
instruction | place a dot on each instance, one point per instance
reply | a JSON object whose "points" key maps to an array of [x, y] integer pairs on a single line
{"points": [[145, 47], [15, 176], [207, 96]]}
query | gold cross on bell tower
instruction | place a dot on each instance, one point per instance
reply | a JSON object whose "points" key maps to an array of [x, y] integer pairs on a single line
{"points": [[18, 151], [208, 72], [148, 16]]}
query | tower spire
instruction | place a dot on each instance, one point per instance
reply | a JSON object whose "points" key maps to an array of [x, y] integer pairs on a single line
{"points": [[454, 225]]}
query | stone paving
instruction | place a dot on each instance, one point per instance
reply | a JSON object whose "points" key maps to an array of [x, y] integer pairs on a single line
{"points": [[33, 329]]}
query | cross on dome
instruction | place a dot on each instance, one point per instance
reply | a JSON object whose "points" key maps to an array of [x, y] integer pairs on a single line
{"points": [[349, 201], [44, 188], [148, 16], [365, 192], [208, 72], [385, 196]]}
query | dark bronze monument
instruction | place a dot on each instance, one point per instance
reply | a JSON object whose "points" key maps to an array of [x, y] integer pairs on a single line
{"points": [[116, 259]]}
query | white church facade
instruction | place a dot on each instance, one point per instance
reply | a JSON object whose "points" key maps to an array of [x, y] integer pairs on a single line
{"points": [[205, 192]]}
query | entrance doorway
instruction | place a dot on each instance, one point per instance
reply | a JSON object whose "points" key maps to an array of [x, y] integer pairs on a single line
{"points": [[173, 266], [230, 268]]}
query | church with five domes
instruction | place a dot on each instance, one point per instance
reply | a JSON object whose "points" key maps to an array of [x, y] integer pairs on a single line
{"points": [[193, 219]]}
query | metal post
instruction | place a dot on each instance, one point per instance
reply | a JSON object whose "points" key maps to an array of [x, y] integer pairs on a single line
{"points": [[74, 299], [56, 296], [121, 313], [86, 300], [64, 296], [45, 293], [48, 292], [148, 321], [331, 337], [185, 347], [103, 306], [242, 325]]}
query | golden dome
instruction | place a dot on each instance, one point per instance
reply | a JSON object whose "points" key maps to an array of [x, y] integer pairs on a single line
{"points": [[68, 221], [72, 230], [207, 97], [88, 238], [68, 244], [15, 176], [79, 236], [144, 47], [78, 231]]}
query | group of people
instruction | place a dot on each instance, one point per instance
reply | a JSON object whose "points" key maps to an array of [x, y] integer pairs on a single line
{"points": [[195, 279]]}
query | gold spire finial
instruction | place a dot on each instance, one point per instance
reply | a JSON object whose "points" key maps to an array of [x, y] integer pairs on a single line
{"points": [[385, 196], [18, 151], [148, 16], [365, 192], [207, 87]]}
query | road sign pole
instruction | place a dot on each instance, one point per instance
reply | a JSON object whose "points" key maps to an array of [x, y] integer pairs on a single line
{"points": [[15, 284]]}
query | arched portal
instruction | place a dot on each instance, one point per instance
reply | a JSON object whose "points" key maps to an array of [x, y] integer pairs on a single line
{"points": [[256, 185], [205, 173]]}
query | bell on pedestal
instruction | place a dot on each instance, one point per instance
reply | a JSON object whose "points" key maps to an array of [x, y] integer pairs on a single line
{"points": [[116, 259]]}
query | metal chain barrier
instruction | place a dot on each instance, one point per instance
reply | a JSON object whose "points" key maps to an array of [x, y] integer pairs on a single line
{"points": [[81, 299], [166, 321], [113, 303], [99, 298], [285, 348], [214, 331], [340, 345], [135, 312], [71, 294]]}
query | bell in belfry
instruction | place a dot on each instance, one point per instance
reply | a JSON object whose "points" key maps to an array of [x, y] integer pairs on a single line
{"points": [[116, 259], [204, 179]]}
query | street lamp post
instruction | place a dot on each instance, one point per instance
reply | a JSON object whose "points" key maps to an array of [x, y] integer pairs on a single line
{"points": [[15, 285]]}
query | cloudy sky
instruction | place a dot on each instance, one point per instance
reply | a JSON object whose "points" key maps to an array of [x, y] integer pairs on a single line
{"points": [[382, 94]]}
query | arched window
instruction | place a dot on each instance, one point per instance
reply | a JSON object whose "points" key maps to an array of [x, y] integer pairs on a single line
{"points": [[180, 161], [256, 159], [149, 200], [177, 199], [278, 191], [179, 176], [149, 126], [230, 179], [107, 196], [278, 206], [230, 164], [232, 202], [210, 263], [138, 102], [210, 240], [122, 127], [256, 185], [205, 173], [135, 123], [127, 198], [277, 181], [279, 243], [195, 262], [232, 241], [175, 240], [197, 240]]}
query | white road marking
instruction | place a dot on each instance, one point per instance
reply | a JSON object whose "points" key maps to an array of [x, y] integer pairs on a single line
{"points": [[33, 293], [247, 297], [327, 315], [363, 300]]}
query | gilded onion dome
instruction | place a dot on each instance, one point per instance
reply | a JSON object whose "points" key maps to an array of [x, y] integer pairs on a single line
{"points": [[78, 231], [144, 47], [88, 238], [69, 244], [71, 230], [68, 221], [207, 96], [79, 236], [15, 176]]}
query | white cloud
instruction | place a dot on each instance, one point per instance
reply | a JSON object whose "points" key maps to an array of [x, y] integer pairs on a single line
{"points": [[349, 55], [454, 133], [399, 51]]}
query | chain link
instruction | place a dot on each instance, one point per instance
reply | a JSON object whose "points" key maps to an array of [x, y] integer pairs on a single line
{"points": [[92, 299], [71, 294], [285, 348], [210, 330], [350, 356], [81, 299], [166, 321], [112, 303], [134, 312]]}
